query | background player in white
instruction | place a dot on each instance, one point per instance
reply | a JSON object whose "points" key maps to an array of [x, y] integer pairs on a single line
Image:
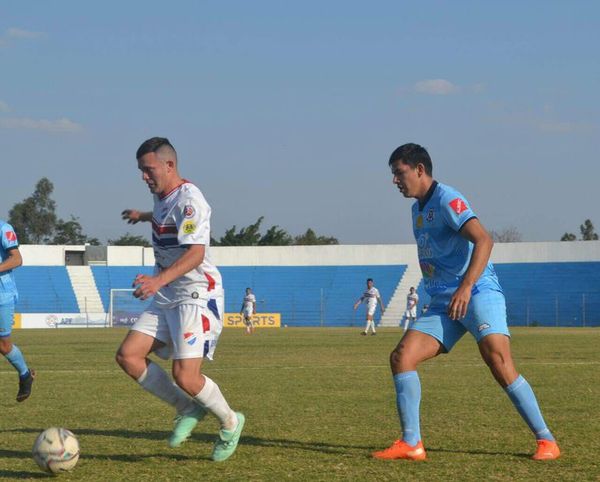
{"points": [[410, 315], [248, 309], [371, 297], [184, 319]]}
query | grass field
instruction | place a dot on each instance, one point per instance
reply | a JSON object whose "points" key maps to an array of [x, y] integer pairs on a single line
{"points": [[317, 402]]}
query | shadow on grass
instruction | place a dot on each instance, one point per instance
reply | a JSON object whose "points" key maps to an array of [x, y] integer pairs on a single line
{"points": [[321, 447], [477, 452], [21, 474]]}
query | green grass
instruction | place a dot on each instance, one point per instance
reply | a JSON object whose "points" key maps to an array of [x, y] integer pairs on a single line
{"points": [[317, 401]]}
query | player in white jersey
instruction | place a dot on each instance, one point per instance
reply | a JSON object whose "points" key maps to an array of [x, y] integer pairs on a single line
{"points": [[248, 309], [184, 320], [410, 315], [370, 297]]}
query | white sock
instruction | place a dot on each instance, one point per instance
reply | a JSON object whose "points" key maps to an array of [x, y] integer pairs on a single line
{"points": [[211, 398], [156, 381]]}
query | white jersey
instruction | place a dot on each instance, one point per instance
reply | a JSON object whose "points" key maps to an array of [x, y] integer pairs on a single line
{"points": [[370, 297], [182, 218], [249, 301], [411, 301]]}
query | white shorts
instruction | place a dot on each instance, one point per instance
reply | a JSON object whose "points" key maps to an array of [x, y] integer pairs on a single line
{"points": [[411, 313], [189, 331], [248, 313], [371, 310]]}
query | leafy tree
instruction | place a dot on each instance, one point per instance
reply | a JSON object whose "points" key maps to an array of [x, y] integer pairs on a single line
{"points": [[130, 240], [587, 231], [507, 235], [35, 221], [276, 236], [249, 236], [34, 218], [311, 238], [71, 232]]}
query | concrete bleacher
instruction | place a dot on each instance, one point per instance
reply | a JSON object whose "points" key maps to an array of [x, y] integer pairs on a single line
{"points": [[44, 289]]}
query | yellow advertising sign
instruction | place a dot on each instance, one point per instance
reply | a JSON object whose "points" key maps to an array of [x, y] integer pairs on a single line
{"points": [[260, 320], [17, 321]]}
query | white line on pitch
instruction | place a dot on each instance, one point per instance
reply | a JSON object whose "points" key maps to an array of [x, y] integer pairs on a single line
{"points": [[323, 367]]}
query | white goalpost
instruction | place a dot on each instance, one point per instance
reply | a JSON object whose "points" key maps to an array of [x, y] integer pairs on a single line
{"points": [[124, 308]]}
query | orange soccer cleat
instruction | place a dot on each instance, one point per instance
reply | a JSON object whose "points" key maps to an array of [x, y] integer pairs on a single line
{"points": [[401, 450], [546, 450]]}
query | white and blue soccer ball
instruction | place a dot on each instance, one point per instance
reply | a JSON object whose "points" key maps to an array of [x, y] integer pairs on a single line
{"points": [[56, 450]]}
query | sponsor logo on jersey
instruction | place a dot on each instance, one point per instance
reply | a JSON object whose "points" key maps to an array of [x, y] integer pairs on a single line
{"points": [[189, 227], [11, 236], [430, 215], [458, 205], [419, 221], [195, 295], [190, 338], [188, 211], [427, 269], [482, 326]]}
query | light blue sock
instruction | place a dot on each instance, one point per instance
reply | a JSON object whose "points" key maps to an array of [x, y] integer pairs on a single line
{"points": [[408, 399], [524, 400], [15, 358]]}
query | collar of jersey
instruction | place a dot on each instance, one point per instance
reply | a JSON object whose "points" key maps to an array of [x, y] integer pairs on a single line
{"points": [[184, 181], [428, 195]]}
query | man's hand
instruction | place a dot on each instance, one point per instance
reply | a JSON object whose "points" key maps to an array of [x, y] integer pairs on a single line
{"points": [[146, 286], [356, 305], [457, 309], [132, 216]]}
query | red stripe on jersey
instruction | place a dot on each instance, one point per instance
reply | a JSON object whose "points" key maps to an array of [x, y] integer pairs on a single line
{"points": [[211, 282], [205, 324], [164, 228]]}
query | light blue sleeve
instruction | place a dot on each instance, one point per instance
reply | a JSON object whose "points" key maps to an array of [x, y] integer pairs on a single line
{"points": [[9, 237], [456, 210]]}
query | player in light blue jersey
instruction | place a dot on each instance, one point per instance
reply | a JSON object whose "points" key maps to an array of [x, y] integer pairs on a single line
{"points": [[10, 258], [454, 251]]}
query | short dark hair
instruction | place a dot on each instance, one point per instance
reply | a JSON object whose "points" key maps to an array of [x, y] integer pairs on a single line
{"points": [[370, 279], [412, 154], [152, 145]]}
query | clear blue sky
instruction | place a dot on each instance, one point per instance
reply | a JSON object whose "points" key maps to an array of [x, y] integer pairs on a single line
{"points": [[291, 109]]}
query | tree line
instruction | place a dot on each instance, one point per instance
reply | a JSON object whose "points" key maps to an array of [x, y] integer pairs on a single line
{"points": [[36, 222]]}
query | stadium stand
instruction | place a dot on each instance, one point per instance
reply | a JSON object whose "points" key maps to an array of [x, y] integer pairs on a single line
{"points": [[116, 277], [44, 289], [551, 294], [309, 295]]}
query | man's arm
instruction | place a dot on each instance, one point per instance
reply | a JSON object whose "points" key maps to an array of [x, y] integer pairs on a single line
{"points": [[133, 216], [483, 243], [381, 304], [147, 286], [13, 261]]}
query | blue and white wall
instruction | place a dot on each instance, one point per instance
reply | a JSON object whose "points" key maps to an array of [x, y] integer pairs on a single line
{"points": [[545, 283]]}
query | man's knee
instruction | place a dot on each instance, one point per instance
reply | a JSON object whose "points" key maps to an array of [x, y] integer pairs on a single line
{"points": [[5, 345]]}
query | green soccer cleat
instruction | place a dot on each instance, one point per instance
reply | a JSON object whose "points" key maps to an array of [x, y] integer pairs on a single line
{"points": [[184, 424], [228, 440]]}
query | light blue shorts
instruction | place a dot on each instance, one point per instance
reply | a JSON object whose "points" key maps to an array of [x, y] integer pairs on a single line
{"points": [[486, 315], [7, 314]]}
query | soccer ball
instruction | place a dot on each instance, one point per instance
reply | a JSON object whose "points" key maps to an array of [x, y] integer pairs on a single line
{"points": [[56, 450]]}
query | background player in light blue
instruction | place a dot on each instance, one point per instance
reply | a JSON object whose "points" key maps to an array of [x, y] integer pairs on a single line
{"points": [[454, 251], [11, 259]]}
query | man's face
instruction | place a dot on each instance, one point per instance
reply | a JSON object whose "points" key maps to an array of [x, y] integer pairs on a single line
{"points": [[155, 172], [406, 178], [369, 284]]}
